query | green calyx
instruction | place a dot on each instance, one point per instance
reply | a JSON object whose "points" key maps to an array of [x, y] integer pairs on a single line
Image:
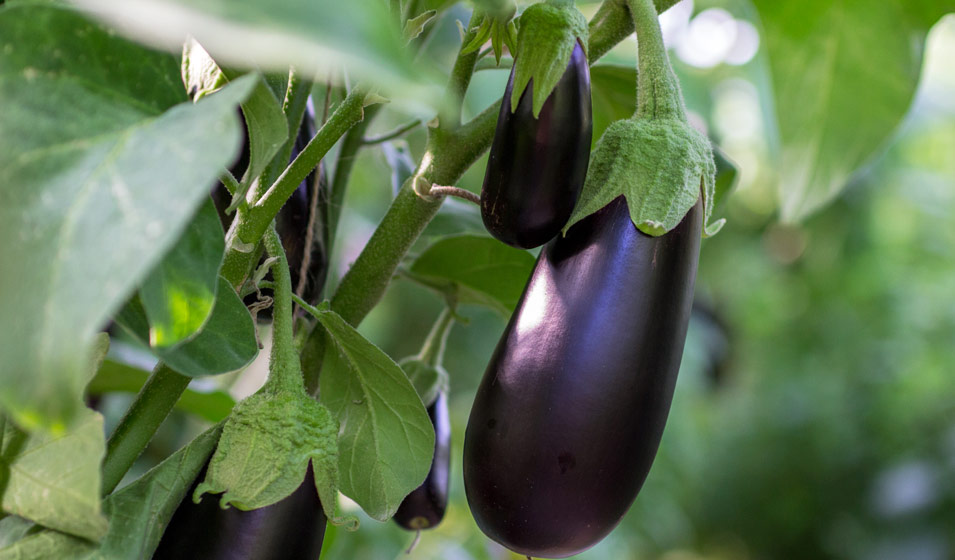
{"points": [[661, 167], [548, 33], [266, 446], [656, 159], [499, 27]]}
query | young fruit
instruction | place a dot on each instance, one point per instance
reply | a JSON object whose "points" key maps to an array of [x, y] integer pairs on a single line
{"points": [[538, 159], [424, 507], [568, 417], [292, 529]]}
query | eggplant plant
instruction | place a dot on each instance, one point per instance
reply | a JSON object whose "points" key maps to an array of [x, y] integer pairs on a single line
{"points": [[145, 412]]}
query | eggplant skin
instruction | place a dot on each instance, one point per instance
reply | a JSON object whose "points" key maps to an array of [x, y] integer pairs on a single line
{"points": [[569, 414], [292, 529], [424, 507], [536, 167]]}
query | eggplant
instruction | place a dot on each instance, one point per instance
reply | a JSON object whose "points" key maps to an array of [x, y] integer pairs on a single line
{"points": [[292, 529], [424, 507], [570, 412], [536, 166]]}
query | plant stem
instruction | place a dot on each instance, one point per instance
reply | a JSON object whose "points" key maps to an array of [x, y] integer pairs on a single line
{"points": [[612, 23], [439, 190], [152, 405], [285, 373], [391, 134], [347, 155], [432, 351], [658, 90], [250, 226]]}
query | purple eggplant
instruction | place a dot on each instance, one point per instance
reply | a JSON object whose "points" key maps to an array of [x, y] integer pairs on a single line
{"points": [[424, 507], [570, 412], [536, 166]]}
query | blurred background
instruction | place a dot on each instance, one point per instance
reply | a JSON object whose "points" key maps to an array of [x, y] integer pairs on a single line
{"points": [[814, 415]]}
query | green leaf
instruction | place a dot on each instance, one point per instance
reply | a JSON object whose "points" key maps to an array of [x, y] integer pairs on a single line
{"points": [[55, 480], [138, 513], [179, 293], [98, 183], [477, 268], [225, 343], [266, 446], [317, 38], [428, 381], [415, 25], [268, 131], [386, 440], [114, 377], [835, 110]]}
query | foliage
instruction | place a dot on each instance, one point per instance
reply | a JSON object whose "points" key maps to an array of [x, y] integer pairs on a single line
{"points": [[813, 392]]}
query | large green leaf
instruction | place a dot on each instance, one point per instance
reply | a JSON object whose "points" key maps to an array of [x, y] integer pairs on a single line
{"points": [[314, 37], [386, 440], [226, 342], [138, 514], [96, 183], [55, 480], [179, 293], [114, 376], [844, 74], [476, 269]]}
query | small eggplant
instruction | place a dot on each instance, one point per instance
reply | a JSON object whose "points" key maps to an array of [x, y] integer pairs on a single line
{"points": [[570, 412], [292, 529], [424, 507], [536, 166]]}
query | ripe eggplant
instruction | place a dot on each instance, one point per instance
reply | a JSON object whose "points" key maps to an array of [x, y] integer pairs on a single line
{"points": [[292, 529], [569, 414], [424, 507], [536, 167]]}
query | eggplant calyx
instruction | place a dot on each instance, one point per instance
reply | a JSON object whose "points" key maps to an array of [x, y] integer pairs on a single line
{"points": [[661, 166], [265, 448], [548, 33]]}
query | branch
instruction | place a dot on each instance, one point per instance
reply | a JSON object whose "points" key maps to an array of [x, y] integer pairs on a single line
{"points": [[391, 134]]}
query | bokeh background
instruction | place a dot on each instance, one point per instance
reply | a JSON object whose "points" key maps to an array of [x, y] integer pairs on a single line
{"points": [[814, 415]]}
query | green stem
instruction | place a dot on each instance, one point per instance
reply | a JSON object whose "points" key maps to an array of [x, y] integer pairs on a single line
{"points": [[347, 155], [449, 117], [432, 351], [285, 373], [658, 90], [391, 134], [612, 23], [153, 403], [250, 226]]}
